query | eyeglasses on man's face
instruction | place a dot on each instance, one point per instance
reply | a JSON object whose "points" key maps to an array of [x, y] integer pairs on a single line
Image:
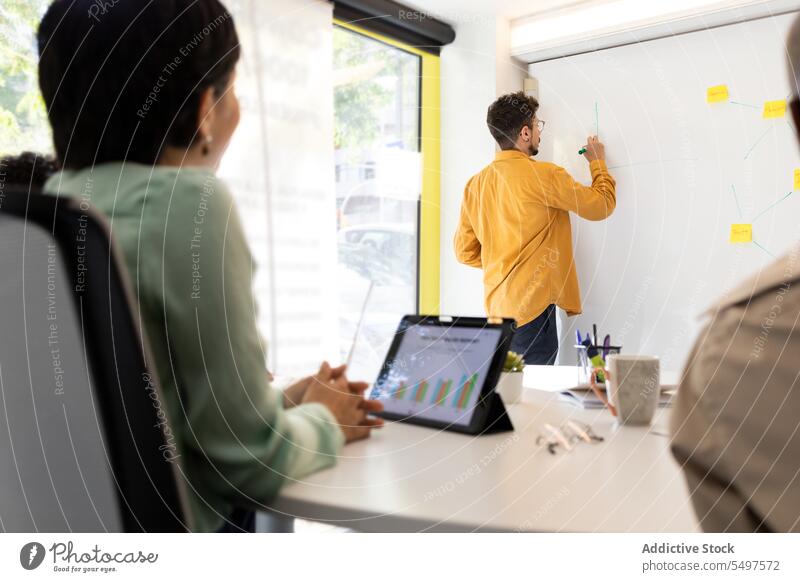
{"points": [[538, 123]]}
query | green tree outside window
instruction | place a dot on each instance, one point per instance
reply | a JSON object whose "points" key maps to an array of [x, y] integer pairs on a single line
{"points": [[23, 118]]}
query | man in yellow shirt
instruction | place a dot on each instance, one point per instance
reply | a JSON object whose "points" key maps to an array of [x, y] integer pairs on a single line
{"points": [[515, 226]]}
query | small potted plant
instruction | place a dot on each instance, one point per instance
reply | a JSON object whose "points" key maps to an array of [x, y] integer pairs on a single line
{"points": [[510, 385]]}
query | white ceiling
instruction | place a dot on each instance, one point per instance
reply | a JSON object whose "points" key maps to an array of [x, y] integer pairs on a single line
{"points": [[543, 29]]}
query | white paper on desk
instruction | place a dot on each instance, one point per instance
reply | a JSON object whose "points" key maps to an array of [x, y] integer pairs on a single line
{"points": [[585, 398], [561, 378], [550, 378]]}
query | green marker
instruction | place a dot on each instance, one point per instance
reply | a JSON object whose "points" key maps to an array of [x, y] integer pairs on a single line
{"points": [[595, 358], [581, 151]]}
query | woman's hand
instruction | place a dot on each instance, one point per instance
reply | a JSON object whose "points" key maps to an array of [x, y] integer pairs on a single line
{"points": [[294, 393], [344, 399]]}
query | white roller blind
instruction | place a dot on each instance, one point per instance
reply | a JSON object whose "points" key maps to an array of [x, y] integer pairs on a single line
{"points": [[280, 169]]}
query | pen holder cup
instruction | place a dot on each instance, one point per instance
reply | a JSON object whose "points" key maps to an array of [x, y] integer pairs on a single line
{"points": [[585, 365]]}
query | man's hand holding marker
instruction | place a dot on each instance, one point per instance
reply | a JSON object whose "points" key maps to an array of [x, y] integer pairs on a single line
{"points": [[593, 150]]}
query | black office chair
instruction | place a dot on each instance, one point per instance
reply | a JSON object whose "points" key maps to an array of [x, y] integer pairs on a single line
{"points": [[84, 444]]}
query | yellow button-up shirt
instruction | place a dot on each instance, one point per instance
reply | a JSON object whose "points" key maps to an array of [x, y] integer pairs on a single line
{"points": [[515, 225]]}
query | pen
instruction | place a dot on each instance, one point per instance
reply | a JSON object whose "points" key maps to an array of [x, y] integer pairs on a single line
{"points": [[594, 330], [581, 151], [578, 336], [606, 345]]}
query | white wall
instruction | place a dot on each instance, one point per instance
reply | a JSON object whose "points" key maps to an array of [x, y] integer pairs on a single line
{"points": [[475, 69]]}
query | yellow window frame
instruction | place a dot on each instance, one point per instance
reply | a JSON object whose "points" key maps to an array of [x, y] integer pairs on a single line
{"points": [[430, 146]]}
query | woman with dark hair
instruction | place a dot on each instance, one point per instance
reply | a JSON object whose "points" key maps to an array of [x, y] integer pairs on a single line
{"points": [[141, 100], [26, 170]]}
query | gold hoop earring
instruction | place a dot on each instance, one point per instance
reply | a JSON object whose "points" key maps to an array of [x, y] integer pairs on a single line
{"points": [[206, 142]]}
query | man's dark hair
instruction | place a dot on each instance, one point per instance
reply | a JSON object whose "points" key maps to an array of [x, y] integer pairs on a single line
{"points": [[123, 79], [27, 170], [508, 115]]}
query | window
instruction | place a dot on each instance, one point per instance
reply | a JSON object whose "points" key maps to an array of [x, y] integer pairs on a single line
{"points": [[281, 167], [378, 185], [23, 119]]}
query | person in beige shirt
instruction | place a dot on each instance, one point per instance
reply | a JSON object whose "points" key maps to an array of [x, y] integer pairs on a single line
{"points": [[736, 422]]}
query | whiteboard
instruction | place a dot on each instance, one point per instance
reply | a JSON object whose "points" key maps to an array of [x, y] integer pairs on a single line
{"points": [[686, 170]]}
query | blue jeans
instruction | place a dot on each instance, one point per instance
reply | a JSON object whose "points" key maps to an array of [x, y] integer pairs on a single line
{"points": [[241, 520], [537, 340]]}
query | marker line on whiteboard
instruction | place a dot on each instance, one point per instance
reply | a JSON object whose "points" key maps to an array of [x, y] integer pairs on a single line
{"points": [[653, 162], [770, 207], [596, 120], [736, 198], [744, 104], [763, 135], [763, 249]]}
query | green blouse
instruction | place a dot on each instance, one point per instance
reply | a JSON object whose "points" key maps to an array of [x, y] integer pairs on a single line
{"points": [[191, 270]]}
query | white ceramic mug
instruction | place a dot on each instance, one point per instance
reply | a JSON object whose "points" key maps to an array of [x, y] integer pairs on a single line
{"points": [[634, 387]]}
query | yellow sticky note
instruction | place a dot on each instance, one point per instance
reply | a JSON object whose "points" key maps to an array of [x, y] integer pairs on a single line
{"points": [[717, 94], [741, 233], [773, 109], [797, 179]]}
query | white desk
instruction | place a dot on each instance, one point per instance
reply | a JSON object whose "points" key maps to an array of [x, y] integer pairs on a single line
{"points": [[409, 478]]}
